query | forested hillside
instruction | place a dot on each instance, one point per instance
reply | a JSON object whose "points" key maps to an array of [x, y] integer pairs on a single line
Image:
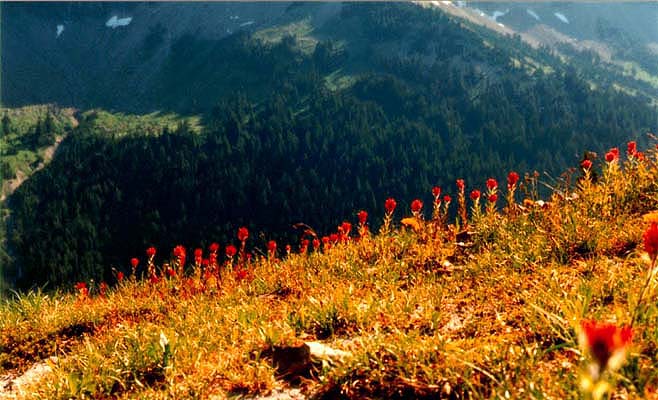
{"points": [[392, 102]]}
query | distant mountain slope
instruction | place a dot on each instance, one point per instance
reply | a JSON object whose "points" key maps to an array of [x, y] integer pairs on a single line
{"points": [[618, 38], [145, 57]]}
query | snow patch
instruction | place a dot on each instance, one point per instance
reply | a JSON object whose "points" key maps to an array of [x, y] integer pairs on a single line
{"points": [[248, 23], [60, 29], [561, 17], [446, 3], [461, 3], [115, 22], [532, 14], [497, 14], [480, 12], [234, 17]]}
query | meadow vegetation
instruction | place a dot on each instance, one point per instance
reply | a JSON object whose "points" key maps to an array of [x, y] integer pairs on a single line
{"points": [[515, 297]]}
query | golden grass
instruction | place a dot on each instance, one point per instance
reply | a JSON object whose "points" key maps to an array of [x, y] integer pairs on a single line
{"points": [[425, 311]]}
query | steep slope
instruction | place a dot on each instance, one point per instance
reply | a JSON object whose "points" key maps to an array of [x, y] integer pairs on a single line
{"points": [[550, 299]]}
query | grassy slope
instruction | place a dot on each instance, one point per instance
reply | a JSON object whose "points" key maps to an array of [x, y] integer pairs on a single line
{"points": [[491, 313]]}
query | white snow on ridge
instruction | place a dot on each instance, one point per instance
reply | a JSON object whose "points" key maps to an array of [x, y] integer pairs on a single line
{"points": [[561, 17], [447, 3], [461, 3], [248, 23], [60, 29], [532, 14], [497, 14], [115, 22]]}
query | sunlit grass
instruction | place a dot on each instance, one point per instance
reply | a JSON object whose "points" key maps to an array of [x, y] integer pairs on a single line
{"points": [[423, 308]]}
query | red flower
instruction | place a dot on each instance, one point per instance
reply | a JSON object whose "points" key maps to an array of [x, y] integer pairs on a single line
{"points": [[615, 151], [436, 192], [214, 247], [81, 285], [288, 248], [493, 198], [231, 250], [334, 237], [345, 228], [102, 288], [363, 216], [631, 148], [212, 258], [639, 155], [605, 340], [119, 276], [154, 279], [512, 179], [475, 195], [271, 246], [416, 206], [447, 198], [205, 262], [134, 262], [171, 272], [150, 252], [610, 156], [650, 238], [325, 240], [179, 251], [198, 253], [241, 274], [461, 185], [316, 244], [586, 164], [243, 234], [390, 205], [492, 184]]}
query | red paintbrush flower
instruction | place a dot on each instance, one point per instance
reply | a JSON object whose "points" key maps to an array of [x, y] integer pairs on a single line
{"points": [[610, 156], [214, 247], [243, 234], [416, 206], [316, 244], [363, 216], [120, 276], [150, 252], [650, 239], [586, 164], [230, 250], [512, 179], [436, 192], [80, 285], [198, 253], [134, 262], [390, 205], [179, 251], [492, 184], [605, 342], [493, 198], [447, 198], [475, 195], [345, 228], [631, 148], [271, 247], [461, 185]]}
